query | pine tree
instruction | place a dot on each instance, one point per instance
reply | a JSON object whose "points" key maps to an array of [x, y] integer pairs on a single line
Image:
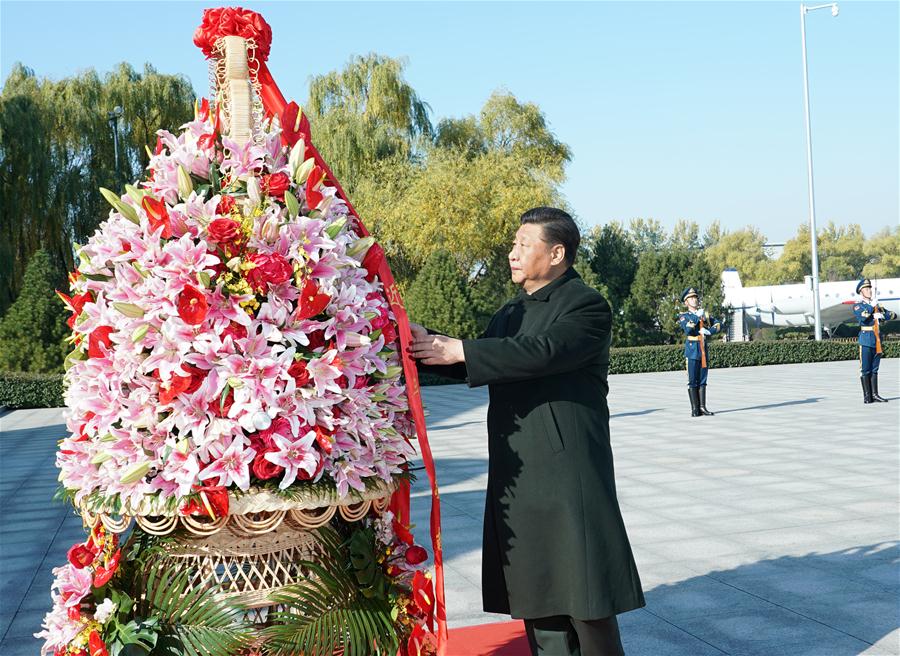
{"points": [[439, 297], [33, 330]]}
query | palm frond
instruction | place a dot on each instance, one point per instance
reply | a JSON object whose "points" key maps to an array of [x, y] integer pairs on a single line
{"points": [[328, 613], [192, 621]]}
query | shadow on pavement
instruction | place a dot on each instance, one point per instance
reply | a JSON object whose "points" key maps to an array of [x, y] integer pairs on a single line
{"points": [[635, 414], [812, 399], [824, 604]]}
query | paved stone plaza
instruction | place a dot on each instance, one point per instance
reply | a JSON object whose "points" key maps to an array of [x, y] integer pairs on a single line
{"points": [[770, 529]]}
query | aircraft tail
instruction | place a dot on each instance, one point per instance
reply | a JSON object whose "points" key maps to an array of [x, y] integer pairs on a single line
{"points": [[731, 279]]}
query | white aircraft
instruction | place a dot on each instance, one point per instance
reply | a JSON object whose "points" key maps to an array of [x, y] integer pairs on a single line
{"points": [[792, 305]]}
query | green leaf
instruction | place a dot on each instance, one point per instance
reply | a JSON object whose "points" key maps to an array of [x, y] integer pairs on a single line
{"points": [[192, 620], [214, 177], [327, 613], [203, 278], [72, 358]]}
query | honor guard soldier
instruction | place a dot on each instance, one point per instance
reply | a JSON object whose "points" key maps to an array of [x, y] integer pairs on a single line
{"points": [[697, 326], [870, 315]]}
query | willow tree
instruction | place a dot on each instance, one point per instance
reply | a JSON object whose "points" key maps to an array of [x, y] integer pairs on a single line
{"points": [[57, 149], [366, 113], [506, 125]]}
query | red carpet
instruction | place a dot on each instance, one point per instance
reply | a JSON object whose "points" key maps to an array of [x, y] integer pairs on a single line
{"points": [[499, 639]]}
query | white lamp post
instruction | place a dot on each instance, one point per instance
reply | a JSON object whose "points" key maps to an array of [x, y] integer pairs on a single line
{"points": [[809, 167]]}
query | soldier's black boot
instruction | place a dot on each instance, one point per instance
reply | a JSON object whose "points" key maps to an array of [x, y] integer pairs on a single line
{"points": [[703, 410], [694, 394], [876, 397], [867, 388]]}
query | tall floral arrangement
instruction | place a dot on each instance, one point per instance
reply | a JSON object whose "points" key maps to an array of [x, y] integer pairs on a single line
{"points": [[229, 334]]}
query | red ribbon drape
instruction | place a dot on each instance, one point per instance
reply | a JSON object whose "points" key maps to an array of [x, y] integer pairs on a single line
{"points": [[276, 105]]}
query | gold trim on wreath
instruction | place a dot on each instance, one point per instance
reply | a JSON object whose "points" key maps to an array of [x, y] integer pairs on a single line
{"points": [[255, 512]]}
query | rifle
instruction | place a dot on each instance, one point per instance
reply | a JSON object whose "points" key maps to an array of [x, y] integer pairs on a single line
{"points": [[875, 310]]}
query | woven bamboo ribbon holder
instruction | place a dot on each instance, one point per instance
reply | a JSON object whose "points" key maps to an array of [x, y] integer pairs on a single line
{"points": [[239, 91]]}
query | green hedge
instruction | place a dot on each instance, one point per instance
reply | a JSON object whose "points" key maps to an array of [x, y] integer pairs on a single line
{"points": [[642, 359], [19, 390], [23, 390]]}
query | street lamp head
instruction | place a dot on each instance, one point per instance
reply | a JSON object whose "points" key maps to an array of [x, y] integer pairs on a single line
{"points": [[834, 10]]}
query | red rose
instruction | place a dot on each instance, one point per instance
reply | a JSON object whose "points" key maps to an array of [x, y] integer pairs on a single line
{"points": [[265, 469], [196, 378], [224, 231], [74, 614], [316, 339], [299, 373], [96, 646], [81, 555], [311, 302], [157, 215], [192, 305], [99, 337], [313, 182], [276, 184], [226, 203], [173, 387], [102, 575], [235, 330], [272, 268], [390, 333], [416, 554]]}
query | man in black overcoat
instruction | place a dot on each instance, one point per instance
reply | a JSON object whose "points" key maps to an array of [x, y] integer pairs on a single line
{"points": [[556, 553]]}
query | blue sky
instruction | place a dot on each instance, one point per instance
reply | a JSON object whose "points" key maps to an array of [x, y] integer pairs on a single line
{"points": [[672, 109]]}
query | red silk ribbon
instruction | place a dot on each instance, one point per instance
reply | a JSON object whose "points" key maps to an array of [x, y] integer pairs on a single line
{"points": [[248, 24]]}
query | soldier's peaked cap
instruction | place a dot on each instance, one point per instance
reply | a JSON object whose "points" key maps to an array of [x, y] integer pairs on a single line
{"points": [[862, 284], [690, 291]]}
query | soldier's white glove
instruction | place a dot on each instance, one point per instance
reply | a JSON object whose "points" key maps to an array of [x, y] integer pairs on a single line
{"points": [[878, 315], [705, 331]]}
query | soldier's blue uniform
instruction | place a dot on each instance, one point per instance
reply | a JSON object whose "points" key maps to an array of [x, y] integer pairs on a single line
{"points": [[696, 352], [869, 343]]}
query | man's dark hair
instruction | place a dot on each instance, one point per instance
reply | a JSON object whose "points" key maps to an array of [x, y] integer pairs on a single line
{"points": [[558, 228]]}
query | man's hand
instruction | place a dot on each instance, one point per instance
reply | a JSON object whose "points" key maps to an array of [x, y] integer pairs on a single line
{"points": [[879, 316], [705, 331], [418, 332], [437, 349]]}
